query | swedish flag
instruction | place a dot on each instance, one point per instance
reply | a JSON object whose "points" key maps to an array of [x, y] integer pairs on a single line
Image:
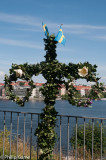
{"points": [[45, 30], [60, 37]]}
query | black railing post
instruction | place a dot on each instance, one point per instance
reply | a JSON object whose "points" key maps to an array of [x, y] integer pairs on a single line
{"points": [[60, 137], [4, 135], [17, 132], [24, 137], [31, 138], [10, 132]]}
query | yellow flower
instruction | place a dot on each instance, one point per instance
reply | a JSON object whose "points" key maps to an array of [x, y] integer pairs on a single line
{"points": [[83, 72], [19, 72]]}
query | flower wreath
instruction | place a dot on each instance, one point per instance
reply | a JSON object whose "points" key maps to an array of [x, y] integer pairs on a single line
{"points": [[19, 72], [95, 94], [95, 91]]}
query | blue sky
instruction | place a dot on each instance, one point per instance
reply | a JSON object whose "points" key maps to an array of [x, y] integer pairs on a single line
{"points": [[21, 32]]}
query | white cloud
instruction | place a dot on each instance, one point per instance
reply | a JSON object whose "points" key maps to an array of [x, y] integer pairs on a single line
{"points": [[95, 32], [103, 37], [29, 29], [28, 44], [19, 19], [84, 26], [101, 68], [102, 73], [1, 74], [103, 77], [34, 21], [62, 49], [5, 62], [19, 43], [76, 32], [90, 31]]}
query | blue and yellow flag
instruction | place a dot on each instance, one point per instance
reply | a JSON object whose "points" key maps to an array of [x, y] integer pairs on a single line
{"points": [[60, 37], [45, 30]]}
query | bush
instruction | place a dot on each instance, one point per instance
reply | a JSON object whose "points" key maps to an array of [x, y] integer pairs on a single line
{"points": [[88, 138], [64, 97], [104, 94]]}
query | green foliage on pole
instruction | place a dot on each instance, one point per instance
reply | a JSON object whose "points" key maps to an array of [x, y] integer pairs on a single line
{"points": [[50, 69], [55, 73]]}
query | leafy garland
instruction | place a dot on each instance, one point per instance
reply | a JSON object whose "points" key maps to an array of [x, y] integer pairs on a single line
{"points": [[23, 72], [55, 74], [70, 72], [76, 72], [95, 94]]}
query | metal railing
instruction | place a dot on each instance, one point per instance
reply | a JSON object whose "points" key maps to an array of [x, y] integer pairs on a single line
{"points": [[69, 120]]}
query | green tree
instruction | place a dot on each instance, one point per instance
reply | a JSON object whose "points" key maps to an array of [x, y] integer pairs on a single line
{"points": [[21, 83], [104, 94]]}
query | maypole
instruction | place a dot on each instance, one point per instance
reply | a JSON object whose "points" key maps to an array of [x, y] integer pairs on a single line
{"points": [[55, 73]]}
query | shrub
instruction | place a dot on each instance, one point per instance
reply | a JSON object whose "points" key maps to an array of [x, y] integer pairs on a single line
{"points": [[88, 138], [104, 94]]}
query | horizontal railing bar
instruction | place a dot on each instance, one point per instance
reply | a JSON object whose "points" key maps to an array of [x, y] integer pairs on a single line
{"points": [[20, 112], [99, 118]]}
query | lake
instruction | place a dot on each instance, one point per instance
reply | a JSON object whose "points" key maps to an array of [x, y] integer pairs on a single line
{"points": [[98, 109], [63, 107]]}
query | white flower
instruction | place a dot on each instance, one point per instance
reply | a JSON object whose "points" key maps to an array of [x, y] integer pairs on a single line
{"points": [[83, 72], [41, 152], [19, 72]]}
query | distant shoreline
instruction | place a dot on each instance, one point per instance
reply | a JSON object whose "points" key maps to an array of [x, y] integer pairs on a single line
{"points": [[4, 98], [41, 99], [36, 99], [103, 99]]}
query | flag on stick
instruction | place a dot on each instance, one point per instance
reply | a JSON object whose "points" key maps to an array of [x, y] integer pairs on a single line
{"points": [[60, 37], [45, 30]]}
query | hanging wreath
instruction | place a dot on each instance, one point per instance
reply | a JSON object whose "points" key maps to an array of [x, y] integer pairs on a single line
{"points": [[19, 72], [85, 71], [95, 94]]}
